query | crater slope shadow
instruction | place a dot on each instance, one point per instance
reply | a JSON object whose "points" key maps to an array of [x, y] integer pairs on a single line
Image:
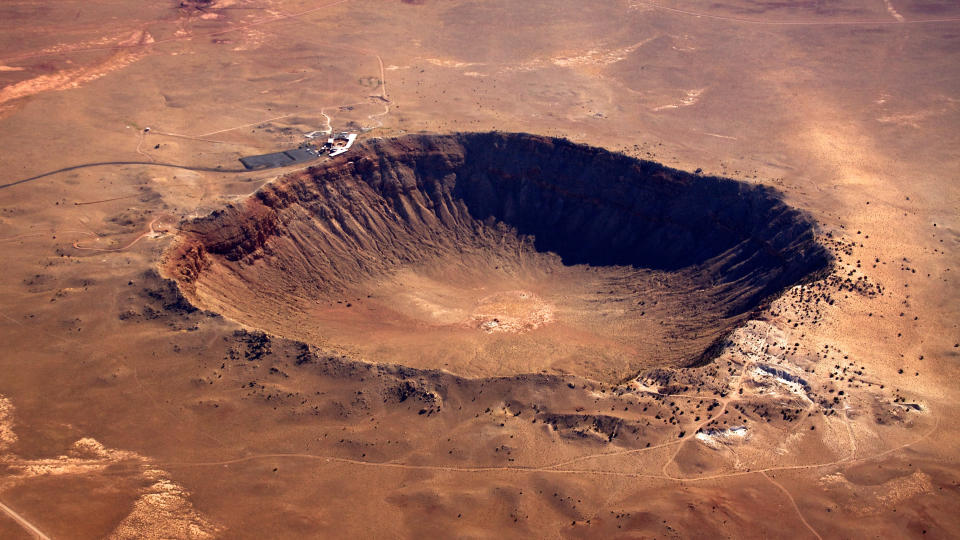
{"points": [[491, 254]]}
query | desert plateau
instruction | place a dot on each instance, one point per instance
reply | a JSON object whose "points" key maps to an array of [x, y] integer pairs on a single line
{"points": [[479, 269]]}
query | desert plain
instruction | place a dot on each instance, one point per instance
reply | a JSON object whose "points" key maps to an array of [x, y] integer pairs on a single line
{"points": [[615, 269]]}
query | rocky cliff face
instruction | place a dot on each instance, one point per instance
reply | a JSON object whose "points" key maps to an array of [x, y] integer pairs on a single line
{"points": [[400, 203]]}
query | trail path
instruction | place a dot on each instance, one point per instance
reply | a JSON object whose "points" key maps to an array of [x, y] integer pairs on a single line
{"points": [[725, 402], [243, 126], [548, 469], [141, 137], [84, 203], [794, 503], [148, 232]]}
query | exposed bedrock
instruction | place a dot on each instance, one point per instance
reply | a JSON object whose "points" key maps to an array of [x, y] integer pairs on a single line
{"points": [[491, 254]]}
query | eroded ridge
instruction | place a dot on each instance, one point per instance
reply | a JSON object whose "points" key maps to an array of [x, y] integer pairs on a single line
{"points": [[492, 254]]}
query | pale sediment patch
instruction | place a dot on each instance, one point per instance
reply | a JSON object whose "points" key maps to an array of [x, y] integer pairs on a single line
{"points": [[714, 438], [719, 136], [58, 466], [451, 63], [873, 499], [74, 78], [67, 47], [86, 455], [893, 11], [773, 379], [251, 39], [164, 510], [511, 311], [770, 373], [7, 435], [754, 338], [91, 448], [598, 57], [137, 38], [912, 120], [691, 97]]}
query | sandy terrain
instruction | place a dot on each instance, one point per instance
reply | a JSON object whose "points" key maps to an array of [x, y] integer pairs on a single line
{"points": [[127, 412]]}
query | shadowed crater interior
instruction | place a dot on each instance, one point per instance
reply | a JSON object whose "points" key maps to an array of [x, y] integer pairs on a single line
{"points": [[496, 254]]}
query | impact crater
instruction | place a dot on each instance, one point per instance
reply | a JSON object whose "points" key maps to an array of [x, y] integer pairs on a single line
{"points": [[493, 254]]}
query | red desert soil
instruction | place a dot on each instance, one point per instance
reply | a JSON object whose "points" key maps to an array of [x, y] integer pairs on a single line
{"points": [[457, 330]]}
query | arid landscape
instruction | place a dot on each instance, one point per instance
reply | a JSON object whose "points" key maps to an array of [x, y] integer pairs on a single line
{"points": [[628, 269]]}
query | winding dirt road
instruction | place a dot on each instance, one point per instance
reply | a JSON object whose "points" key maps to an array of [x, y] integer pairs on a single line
{"points": [[550, 468]]}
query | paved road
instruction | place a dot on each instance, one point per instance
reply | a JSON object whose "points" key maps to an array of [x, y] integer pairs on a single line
{"points": [[109, 163], [37, 533]]}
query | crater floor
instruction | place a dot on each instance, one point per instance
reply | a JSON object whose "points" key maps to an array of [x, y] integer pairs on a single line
{"points": [[494, 254]]}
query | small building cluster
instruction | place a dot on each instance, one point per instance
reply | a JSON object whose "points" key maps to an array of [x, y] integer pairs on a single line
{"points": [[337, 144]]}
